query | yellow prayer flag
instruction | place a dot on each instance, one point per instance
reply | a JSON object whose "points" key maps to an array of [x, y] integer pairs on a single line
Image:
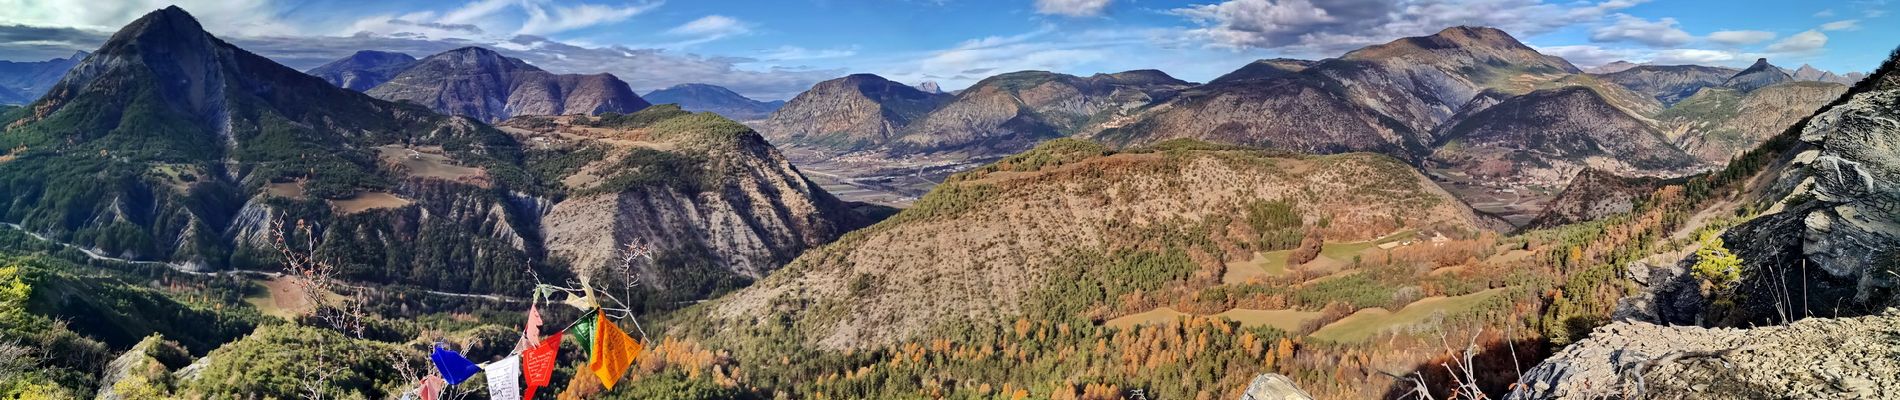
{"points": [[613, 352]]}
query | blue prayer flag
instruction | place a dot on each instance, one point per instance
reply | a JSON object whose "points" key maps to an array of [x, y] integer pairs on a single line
{"points": [[453, 366]]}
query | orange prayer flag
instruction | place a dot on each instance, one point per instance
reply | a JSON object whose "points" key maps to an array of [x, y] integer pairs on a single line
{"points": [[613, 352]]}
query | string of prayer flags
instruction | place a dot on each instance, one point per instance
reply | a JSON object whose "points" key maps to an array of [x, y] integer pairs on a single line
{"points": [[537, 363], [452, 365], [503, 378], [613, 351]]}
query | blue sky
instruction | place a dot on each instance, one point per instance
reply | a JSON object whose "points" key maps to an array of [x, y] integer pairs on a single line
{"points": [[773, 49]]}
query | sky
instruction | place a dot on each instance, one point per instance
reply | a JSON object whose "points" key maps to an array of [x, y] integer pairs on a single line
{"points": [[773, 50]]}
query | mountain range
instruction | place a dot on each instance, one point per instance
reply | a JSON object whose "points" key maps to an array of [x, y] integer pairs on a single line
{"points": [[397, 192], [1319, 224]]}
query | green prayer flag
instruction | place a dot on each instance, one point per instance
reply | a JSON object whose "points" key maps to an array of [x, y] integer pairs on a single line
{"points": [[584, 332]]}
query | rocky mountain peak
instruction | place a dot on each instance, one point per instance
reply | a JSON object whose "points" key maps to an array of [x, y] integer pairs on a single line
{"points": [[1462, 46], [930, 87], [479, 58], [1757, 76]]}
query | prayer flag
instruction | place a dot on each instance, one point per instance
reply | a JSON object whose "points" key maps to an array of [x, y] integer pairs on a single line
{"points": [[613, 351], [503, 378], [533, 333], [453, 366], [431, 386], [537, 364], [583, 332]]}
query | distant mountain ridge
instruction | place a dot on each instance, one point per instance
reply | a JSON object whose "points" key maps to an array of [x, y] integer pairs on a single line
{"points": [[488, 86], [700, 97], [22, 82], [1386, 98], [364, 69]]}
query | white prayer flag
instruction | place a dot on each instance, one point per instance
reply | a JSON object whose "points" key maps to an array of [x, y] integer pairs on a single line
{"points": [[504, 378]]}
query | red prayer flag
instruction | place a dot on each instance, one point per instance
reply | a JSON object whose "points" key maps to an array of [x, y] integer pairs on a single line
{"points": [[537, 363]]}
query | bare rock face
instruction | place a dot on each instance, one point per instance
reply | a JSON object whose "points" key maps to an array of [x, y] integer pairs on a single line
{"points": [[1547, 136], [1811, 358], [1274, 387], [363, 70], [482, 84], [1669, 83], [850, 113]]}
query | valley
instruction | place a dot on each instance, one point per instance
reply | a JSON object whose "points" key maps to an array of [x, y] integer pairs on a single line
{"points": [[1452, 214]]}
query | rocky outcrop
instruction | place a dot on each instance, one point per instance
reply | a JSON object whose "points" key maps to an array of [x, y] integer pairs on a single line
{"points": [[1760, 75], [146, 365], [1274, 387], [482, 84], [1840, 219], [699, 97], [1811, 358], [364, 69], [850, 113], [1547, 136], [1669, 83]]}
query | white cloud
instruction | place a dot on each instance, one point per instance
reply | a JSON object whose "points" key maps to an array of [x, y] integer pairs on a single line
{"points": [[711, 25], [545, 18], [1803, 42], [1741, 38], [253, 17], [1589, 54], [1693, 56], [796, 53], [500, 19], [1664, 32], [1072, 8], [1826, 13], [1842, 25], [1328, 27]]}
